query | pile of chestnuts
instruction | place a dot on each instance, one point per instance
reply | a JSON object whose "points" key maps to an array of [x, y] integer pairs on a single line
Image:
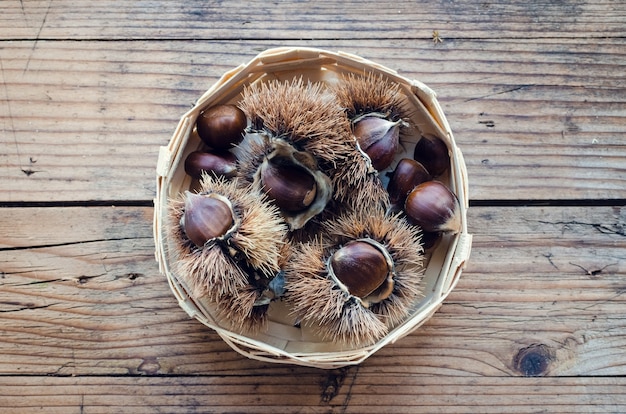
{"points": [[300, 193]]}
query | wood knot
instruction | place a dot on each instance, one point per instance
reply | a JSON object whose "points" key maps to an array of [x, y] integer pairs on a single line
{"points": [[133, 275], [533, 361], [149, 366], [333, 383]]}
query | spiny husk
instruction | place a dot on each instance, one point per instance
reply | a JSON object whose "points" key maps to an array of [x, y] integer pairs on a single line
{"points": [[362, 95], [246, 311], [250, 155], [241, 312], [304, 114], [357, 187], [366, 94], [403, 243], [218, 268], [317, 300]]}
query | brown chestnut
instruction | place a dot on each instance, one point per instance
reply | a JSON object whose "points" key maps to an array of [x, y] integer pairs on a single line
{"points": [[218, 163], [433, 207], [430, 239], [206, 217], [291, 187], [379, 138], [221, 126], [407, 175], [361, 267], [432, 153]]}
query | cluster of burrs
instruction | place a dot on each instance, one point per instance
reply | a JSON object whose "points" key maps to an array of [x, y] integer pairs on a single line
{"points": [[290, 205]]}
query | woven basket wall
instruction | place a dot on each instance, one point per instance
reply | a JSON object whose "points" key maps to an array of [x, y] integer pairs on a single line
{"points": [[284, 342]]}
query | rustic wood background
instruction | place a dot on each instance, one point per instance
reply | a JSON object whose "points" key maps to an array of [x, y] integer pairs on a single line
{"points": [[535, 92]]}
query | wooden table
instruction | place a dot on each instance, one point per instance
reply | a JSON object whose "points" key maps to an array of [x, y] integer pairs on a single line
{"points": [[535, 93]]}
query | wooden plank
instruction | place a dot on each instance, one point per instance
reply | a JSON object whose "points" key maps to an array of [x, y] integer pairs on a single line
{"points": [[257, 19], [543, 295], [346, 391], [84, 120]]}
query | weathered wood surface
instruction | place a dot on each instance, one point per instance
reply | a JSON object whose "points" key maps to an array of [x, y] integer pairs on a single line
{"points": [[353, 19], [549, 281], [357, 392], [535, 120], [535, 94]]}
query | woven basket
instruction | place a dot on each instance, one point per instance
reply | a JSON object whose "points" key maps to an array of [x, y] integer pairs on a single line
{"points": [[284, 341]]}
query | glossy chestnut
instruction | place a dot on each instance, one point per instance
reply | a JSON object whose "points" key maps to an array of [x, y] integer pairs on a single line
{"points": [[433, 207], [407, 175], [379, 138], [432, 153], [291, 187], [218, 163], [363, 268], [221, 126], [206, 217]]}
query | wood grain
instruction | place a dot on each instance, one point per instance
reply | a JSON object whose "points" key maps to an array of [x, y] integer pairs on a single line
{"points": [[45, 19], [84, 120], [534, 92], [352, 392], [542, 283]]}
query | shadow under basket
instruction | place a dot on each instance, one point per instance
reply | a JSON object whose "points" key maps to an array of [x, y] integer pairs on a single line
{"points": [[284, 341]]}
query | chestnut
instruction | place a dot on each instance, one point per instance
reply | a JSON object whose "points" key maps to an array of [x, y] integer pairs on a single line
{"points": [[206, 217], [291, 187], [289, 178], [433, 207], [379, 139], [430, 239], [363, 267], [432, 153], [221, 126], [219, 163], [407, 175]]}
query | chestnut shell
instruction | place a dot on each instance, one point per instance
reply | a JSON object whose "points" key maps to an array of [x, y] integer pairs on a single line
{"points": [[205, 218], [219, 163], [407, 175], [221, 126], [291, 187], [379, 139], [433, 207], [432, 153], [361, 267]]}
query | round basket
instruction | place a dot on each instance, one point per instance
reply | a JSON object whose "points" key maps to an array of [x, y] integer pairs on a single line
{"points": [[285, 341]]}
